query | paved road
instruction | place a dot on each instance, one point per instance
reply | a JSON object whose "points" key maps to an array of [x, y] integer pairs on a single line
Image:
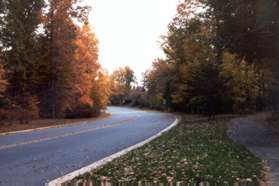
{"points": [[254, 133], [34, 158]]}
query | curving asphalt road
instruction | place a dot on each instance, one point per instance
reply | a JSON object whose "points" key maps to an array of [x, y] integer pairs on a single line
{"points": [[34, 158]]}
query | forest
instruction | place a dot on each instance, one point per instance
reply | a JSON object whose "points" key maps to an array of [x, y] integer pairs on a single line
{"points": [[49, 61], [206, 112], [221, 57]]}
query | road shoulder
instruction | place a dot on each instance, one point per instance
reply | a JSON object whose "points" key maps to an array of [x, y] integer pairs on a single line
{"points": [[84, 170], [254, 133], [194, 151], [42, 124]]}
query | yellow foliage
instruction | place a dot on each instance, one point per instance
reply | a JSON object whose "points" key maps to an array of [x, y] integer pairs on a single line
{"points": [[100, 91]]}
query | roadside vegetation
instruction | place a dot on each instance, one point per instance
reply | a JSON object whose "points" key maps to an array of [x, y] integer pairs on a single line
{"points": [[49, 62], [195, 151], [221, 57]]}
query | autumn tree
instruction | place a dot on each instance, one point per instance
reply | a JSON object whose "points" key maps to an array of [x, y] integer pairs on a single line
{"points": [[243, 82], [60, 37], [3, 81], [100, 92], [157, 82], [19, 22], [121, 83], [250, 30], [86, 70], [124, 77], [49, 55], [199, 75], [4, 103]]}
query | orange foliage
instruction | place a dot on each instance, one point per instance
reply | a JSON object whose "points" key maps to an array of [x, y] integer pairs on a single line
{"points": [[101, 91], [86, 62]]}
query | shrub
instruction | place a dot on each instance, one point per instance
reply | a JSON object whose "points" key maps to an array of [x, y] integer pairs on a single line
{"points": [[20, 112], [80, 111]]}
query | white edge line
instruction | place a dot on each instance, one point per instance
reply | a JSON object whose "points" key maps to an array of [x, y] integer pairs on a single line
{"points": [[72, 175]]}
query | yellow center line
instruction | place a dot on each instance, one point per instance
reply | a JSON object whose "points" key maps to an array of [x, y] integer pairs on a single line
{"points": [[64, 135]]}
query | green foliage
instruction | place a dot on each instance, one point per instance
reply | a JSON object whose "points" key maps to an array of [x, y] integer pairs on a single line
{"points": [[206, 91], [157, 81], [244, 83], [248, 28], [18, 26], [19, 22]]}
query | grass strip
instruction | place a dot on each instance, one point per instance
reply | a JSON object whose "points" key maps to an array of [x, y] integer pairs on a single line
{"points": [[195, 151]]}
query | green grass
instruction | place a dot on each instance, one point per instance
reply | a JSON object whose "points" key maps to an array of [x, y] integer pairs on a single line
{"points": [[196, 150]]}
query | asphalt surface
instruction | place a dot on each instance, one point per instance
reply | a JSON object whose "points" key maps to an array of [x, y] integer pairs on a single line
{"points": [[34, 158], [254, 133]]}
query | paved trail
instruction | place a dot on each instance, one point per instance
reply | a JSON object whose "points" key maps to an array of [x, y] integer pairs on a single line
{"points": [[34, 158], [254, 133]]}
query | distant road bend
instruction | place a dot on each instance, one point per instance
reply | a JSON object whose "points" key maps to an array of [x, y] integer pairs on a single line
{"points": [[34, 158]]}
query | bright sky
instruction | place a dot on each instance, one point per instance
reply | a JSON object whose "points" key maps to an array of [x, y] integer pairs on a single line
{"points": [[129, 31]]}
